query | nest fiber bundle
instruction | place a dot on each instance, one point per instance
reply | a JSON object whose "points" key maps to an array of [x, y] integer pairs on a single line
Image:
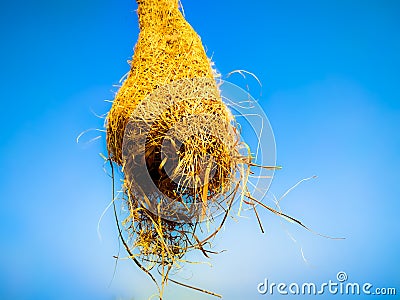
{"points": [[174, 139]]}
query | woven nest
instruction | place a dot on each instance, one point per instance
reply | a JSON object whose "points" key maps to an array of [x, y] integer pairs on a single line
{"points": [[175, 141], [177, 146]]}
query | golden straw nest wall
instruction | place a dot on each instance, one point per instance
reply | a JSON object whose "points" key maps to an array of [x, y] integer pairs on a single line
{"points": [[168, 49], [170, 77]]}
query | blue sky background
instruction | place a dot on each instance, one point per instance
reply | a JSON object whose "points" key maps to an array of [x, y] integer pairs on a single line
{"points": [[330, 74]]}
